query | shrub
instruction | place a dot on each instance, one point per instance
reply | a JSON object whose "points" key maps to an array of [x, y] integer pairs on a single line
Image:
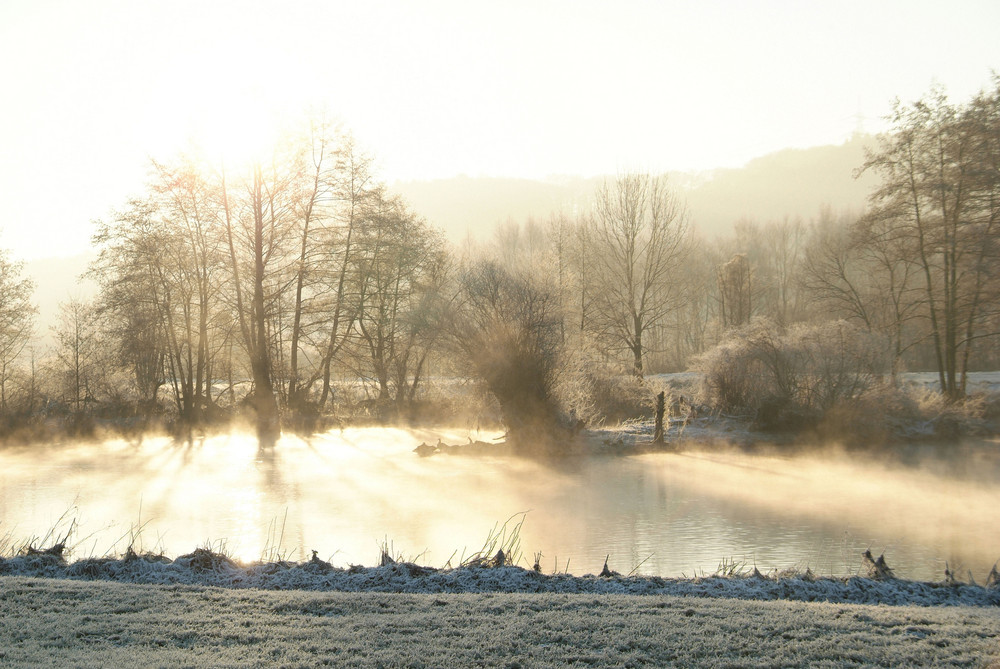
{"points": [[507, 329], [597, 391], [791, 378]]}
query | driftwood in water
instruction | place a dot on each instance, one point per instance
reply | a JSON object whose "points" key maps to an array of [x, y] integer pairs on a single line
{"points": [[425, 449], [473, 447]]}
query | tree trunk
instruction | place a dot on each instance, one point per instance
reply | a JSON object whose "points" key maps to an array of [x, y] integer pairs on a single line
{"points": [[268, 427]]}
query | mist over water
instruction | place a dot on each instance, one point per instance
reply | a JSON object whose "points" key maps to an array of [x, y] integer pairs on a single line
{"points": [[344, 494]]}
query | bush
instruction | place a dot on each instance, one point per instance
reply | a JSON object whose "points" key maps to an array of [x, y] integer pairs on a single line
{"points": [[599, 392], [791, 378], [507, 330]]}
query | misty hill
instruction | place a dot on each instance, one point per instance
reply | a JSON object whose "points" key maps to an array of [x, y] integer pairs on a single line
{"points": [[464, 205], [792, 182]]}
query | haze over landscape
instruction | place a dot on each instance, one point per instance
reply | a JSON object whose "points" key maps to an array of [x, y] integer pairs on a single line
{"points": [[675, 302]]}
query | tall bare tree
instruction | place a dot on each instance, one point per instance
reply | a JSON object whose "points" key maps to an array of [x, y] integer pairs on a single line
{"points": [[355, 193], [135, 297], [258, 232], [640, 233], [315, 212], [940, 193]]}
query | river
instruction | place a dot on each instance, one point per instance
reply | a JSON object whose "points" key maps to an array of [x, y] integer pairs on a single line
{"points": [[346, 494]]}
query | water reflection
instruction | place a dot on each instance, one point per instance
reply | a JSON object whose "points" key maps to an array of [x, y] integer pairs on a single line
{"points": [[344, 493]]}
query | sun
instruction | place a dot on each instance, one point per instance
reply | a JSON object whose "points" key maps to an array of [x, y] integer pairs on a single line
{"points": [[238, 133], [238, 119]]}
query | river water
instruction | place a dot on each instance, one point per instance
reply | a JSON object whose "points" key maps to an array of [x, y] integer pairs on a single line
{"points": [[345, 494]]}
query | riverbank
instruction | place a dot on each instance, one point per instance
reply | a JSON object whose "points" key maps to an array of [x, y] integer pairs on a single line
{"points": [[482, 573], [58, 622]]}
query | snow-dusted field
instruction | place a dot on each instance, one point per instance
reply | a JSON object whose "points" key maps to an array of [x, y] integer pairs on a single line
{"points": [[65, 623], [979, 382]]}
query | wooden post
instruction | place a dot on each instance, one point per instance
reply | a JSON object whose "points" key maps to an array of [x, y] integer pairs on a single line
{"points": [[661, 404]]}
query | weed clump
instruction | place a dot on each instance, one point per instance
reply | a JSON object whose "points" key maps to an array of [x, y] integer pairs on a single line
{"points": [[206, 560], [876, 569]]}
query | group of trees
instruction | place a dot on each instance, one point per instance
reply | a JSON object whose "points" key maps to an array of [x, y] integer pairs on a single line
{"points": [[917, 274], [263, 284], [268, 279], [922, 265], [249, 288]]}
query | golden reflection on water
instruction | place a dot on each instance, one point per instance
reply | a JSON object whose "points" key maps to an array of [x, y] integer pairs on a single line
{"points": [[345, 493], [898, 504]]}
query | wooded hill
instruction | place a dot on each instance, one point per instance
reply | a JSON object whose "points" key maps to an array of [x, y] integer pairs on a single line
{"points": [[789, 183]]}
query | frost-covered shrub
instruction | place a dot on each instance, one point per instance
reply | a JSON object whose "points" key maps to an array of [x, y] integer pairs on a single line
{"points": [[507, 330], [598, 391], [836, 362], [909, 411], [791, 377], [930, 411]]}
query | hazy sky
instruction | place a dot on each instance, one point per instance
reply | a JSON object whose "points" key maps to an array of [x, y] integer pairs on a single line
{"points": [[93, 88]]}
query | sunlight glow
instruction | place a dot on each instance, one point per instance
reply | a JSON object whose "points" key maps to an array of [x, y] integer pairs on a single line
{"points": [[447, 88], [237, 135]]}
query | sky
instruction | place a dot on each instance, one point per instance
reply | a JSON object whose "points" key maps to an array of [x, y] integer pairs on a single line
{"points": [[94, 89]]}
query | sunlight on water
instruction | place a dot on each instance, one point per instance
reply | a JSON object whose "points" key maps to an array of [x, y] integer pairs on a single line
{"points": [[344, 494]]}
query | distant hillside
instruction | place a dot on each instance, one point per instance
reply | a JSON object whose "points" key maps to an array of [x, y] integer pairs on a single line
{"points": [[792, 182], [475, 205]]}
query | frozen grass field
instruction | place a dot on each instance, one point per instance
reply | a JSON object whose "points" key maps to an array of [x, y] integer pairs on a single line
{"points": [[204, 609], [55, 622]]}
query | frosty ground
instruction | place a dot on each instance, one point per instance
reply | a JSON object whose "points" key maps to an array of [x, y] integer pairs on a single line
{"points": [[202, 609], [55, 622]]}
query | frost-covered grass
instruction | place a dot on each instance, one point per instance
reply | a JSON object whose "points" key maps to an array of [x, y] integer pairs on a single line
{"points": [[45, 622]]}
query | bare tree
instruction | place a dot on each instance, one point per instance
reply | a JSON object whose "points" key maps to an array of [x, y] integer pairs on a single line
{"points": [[77, 342], [783, 241], [315, 212], [941, 194], [135, 297], [859, 272], [191, 263], [400, 268], [640, 232], [257, 229]]}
